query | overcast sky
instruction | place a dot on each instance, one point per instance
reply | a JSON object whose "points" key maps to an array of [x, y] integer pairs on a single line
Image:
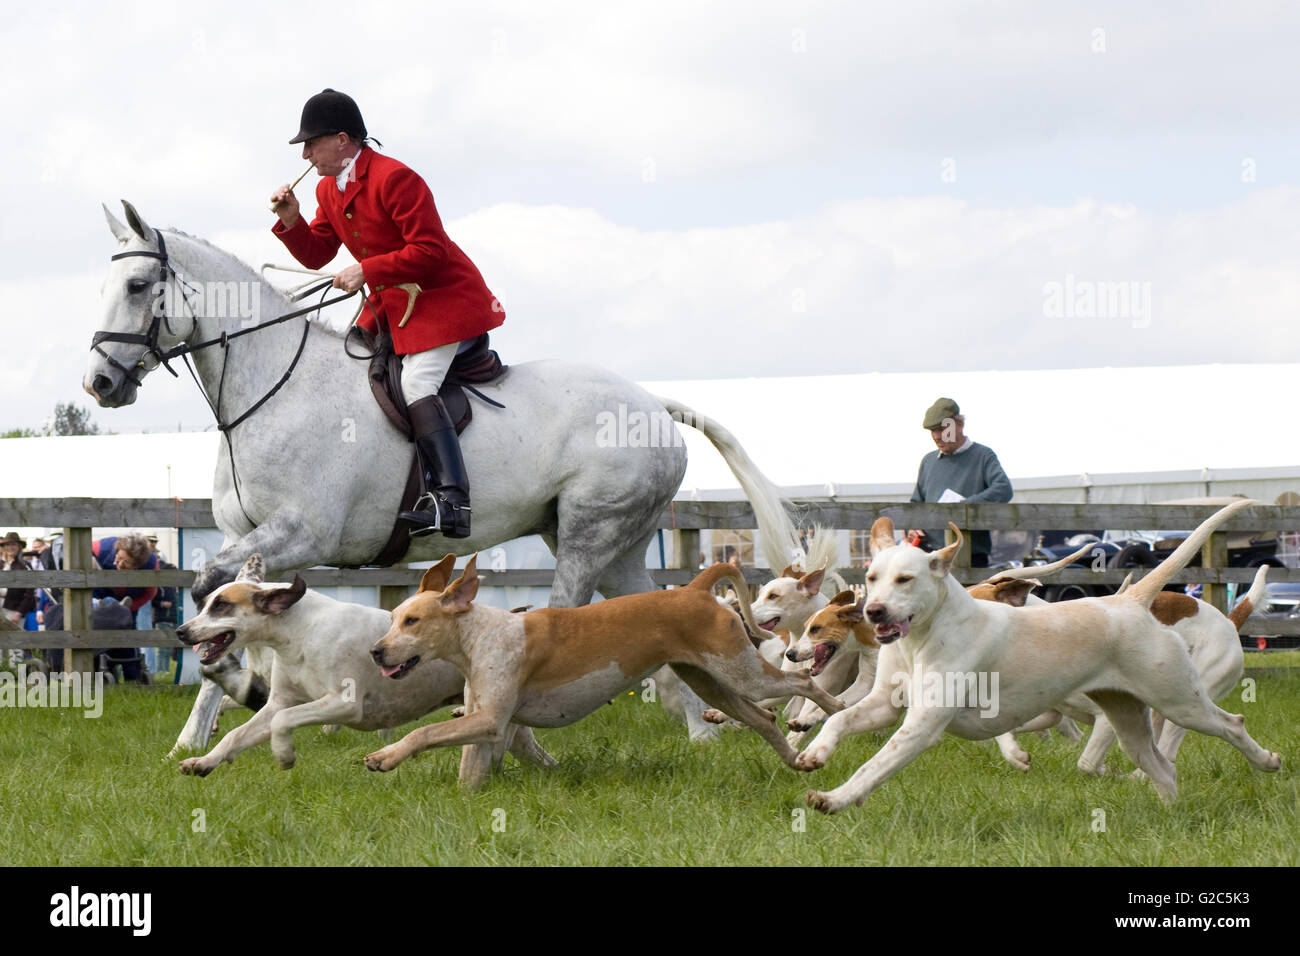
{"points": [[697, 190]]}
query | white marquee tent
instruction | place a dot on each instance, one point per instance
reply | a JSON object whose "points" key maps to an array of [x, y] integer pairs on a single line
{"points": [[1102, 435]]}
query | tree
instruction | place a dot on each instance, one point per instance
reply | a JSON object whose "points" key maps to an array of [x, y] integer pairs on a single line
{"points": [[71, 419]]}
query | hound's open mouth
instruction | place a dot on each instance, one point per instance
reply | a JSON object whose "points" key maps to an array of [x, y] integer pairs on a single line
{"points": [[216, 647], [770, 624], [821, 657], [400, 671], [888, 633]]}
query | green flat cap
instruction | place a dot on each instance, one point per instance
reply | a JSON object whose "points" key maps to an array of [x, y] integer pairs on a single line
{"points": [[935, 415]]}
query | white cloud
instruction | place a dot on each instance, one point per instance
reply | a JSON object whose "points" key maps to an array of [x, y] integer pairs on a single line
{"points": [[890, 285], [769, 123]]}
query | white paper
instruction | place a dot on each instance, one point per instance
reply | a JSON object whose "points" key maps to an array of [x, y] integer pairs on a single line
{"points": [[949, 496]]}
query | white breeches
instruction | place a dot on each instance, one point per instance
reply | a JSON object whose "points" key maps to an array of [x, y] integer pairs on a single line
{"points": [[423, 372]]}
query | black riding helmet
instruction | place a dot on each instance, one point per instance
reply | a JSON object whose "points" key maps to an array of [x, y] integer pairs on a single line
{"points": [[328, 112]]}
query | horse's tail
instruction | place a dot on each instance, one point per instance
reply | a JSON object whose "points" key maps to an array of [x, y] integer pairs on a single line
{"points": [[777, 535]]}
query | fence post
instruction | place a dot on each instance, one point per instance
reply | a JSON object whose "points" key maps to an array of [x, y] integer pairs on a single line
{"points": [[962, 558], [1214, 554], [391, 595], [688, 549], [77, 602]]}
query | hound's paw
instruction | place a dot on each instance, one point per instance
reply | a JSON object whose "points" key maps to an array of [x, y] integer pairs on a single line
{"points": [[803, 724], [458, 711], [715, 716], [1274, 762], [382, 760], [810, 760], [821, 802], [195, 767], [1020, 760]]}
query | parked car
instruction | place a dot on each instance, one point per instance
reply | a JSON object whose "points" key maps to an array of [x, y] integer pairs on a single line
{"points": [[1145, 549], [1281, 603]]}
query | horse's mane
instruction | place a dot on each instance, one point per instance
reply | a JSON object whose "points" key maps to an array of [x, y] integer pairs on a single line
{"points": [[253, 275]]}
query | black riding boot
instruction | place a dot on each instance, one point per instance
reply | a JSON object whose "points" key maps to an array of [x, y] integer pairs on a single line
{"points": [[444, 506]]}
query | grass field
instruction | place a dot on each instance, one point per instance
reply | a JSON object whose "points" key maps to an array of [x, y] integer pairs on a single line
{"points": [[630, 789]]}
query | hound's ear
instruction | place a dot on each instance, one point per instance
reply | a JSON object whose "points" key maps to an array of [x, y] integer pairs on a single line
{"points": [[460, 593], [120, 230], [851, 614], [279, 600], [137, 223], [254, 570], [811, 583], [942, 559], [882, 535], [788, 572], [1014, 592], [436, 578], [845, 597]]}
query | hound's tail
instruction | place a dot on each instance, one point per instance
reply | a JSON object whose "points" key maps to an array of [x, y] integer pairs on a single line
{"points": [[1146, 589], [824, 552], [777, 535], [706, 579], [1253, 600], [1039, 570]]}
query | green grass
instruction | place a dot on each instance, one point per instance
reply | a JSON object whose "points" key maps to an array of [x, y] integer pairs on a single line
{"points": [[1272, 659], [630, 789]]}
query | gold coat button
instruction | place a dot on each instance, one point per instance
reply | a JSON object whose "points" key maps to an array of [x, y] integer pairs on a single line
{"points": [[348, 214], [365, 252], [355, 233]]}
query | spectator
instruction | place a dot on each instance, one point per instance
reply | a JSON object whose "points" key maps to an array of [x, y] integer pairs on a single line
{"points": [[43, 553], [18, 602], [128, 552], [960, 470]]}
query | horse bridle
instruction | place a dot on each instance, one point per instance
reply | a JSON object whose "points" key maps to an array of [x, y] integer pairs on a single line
{"points": [[150, 338]]}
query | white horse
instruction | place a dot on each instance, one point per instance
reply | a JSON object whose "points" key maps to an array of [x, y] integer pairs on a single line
{"points": [[315, 475]]}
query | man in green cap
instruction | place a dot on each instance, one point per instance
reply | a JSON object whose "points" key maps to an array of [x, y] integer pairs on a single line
{"points": [[960, 470]]}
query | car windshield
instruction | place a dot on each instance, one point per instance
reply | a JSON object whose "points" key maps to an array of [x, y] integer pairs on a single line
{"points": [[1150, 537]]}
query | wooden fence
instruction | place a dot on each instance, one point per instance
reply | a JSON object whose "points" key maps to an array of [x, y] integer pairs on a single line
{"points": [[78, 516]]}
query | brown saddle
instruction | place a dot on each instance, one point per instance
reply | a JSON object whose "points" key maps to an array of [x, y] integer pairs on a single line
{"points": [[477, 365]]}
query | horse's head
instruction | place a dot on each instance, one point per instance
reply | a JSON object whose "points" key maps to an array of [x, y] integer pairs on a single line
{"points": [[137, 325]]}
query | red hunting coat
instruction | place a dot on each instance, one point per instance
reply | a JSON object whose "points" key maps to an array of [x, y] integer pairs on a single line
{"points": [[387, 220]]}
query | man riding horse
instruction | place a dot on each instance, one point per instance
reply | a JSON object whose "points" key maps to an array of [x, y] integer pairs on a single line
{"points": [[424, 290]]}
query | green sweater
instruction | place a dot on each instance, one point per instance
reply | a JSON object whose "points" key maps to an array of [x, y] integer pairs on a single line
{"points": [[976, 474]]}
